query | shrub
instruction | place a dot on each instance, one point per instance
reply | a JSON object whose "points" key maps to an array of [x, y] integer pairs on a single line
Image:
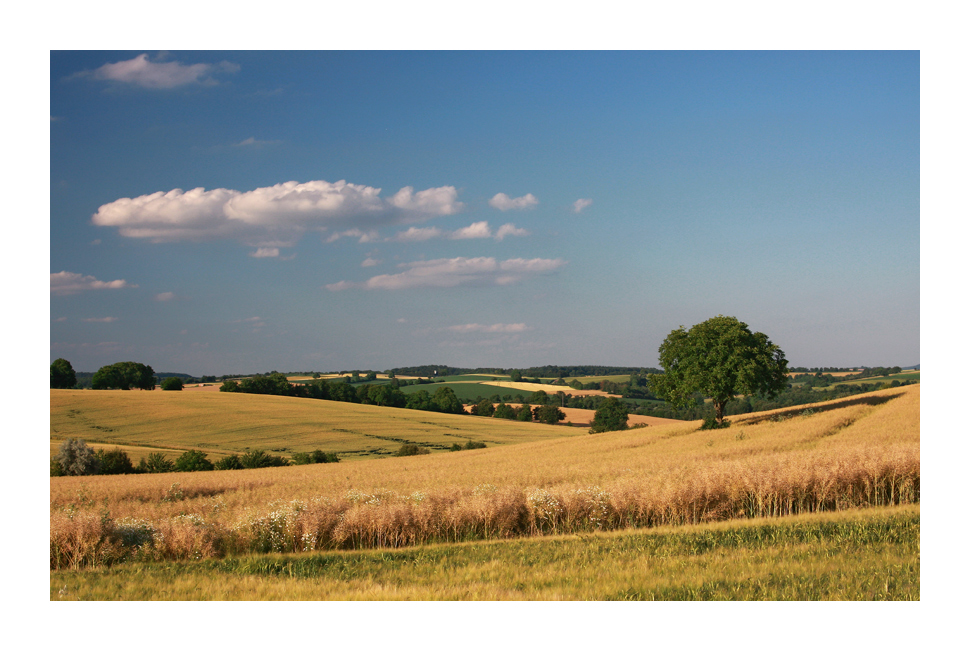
{"points": [[474, 445], [410, 450], [609, 417], [317, 456], [260, 459], [77, 458], [58, 471], [155, 462], [230, 462], [192, 461], [114, 462], [710, 422], [172, 384]]}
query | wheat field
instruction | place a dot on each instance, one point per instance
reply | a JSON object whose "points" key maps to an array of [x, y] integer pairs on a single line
{"points": [[856, 452]]}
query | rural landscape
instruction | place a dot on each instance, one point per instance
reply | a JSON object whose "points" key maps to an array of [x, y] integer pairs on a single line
{"points": [[468, 326]]}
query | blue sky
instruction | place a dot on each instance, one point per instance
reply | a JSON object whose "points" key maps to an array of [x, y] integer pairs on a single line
{"points": [[231, 212]]}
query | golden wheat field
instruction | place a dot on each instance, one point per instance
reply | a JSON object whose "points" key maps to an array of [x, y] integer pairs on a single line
{"points": [[223, 423], [862, 451]]}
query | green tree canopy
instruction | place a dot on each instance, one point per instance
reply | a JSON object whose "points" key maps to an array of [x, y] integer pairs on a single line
{"points": [[124, 375], [719, 358], [62, 374], [610, 416], [172, 384]]}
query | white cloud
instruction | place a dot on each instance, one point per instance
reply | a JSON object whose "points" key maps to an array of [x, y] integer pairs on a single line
{"points": [[579, 204], [506, 230], [273, 216], [107, 319], [158, 74], [414, 234], [164, 296], [252, 142], [504, 202], [265, 252], [451, 272], [478, 230], [497, 327], [370, 262], [66, 282]]}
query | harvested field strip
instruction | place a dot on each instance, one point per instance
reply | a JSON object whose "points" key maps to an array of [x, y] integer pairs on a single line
{"points": [[640, 478]]}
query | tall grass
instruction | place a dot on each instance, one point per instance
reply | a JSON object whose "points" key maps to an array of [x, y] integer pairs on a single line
{"points": [[861, 452], [870, 555]]}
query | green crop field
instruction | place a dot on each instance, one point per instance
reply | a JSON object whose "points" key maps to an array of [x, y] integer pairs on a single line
{"points": [[223, 423], [870, 554]]}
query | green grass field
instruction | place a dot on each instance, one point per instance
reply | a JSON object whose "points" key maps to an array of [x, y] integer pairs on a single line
{"points": [[870, 554], [223, 423]]}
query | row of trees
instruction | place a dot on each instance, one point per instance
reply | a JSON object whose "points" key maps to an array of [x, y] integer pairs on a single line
{"points": [[75, 457]]}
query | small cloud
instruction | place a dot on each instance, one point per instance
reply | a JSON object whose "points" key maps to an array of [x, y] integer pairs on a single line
{"points": [[158, 75], [183, 332], [478, 230], [507, 230], [106, 319], [454, 272], [252, 142], [66, 282], [504, 202], [496, 327], [95, 242], [414, 234], [580, 204], [55, 118], [369, 236], [59, 319], [370, 262], [265, 252], [164, 296]]}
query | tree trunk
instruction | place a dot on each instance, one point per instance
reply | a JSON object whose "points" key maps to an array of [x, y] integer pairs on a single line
{"points": [[719, 411]]}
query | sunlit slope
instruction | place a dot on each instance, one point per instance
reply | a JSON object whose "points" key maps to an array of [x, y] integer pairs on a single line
{"points": [[809, 453], [233, 422]]}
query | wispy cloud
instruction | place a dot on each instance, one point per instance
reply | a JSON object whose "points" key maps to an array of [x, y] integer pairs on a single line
{"points": [[495, 327], [504, 202], [273, 216], [265, 252], [452, 272], [253, 142], [159, 74], [164, 296], [580, 204], [66, 282], [477, 230], [370, 262], [106, 319]]}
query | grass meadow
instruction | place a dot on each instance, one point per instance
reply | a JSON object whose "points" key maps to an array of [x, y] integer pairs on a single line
{"points": [[827, 458]]}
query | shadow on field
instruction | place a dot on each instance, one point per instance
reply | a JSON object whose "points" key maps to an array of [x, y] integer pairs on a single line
{"points": [[815, 408]]}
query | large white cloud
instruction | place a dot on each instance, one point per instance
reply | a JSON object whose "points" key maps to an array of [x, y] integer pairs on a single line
{"points": [[66, 282], [452, 272], [158, 74], [504, 202], [272, 216]]}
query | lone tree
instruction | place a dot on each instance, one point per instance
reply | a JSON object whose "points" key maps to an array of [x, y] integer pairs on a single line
{"points": [[719, 358], [610, 416], [62, 374], [124, 375]]}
